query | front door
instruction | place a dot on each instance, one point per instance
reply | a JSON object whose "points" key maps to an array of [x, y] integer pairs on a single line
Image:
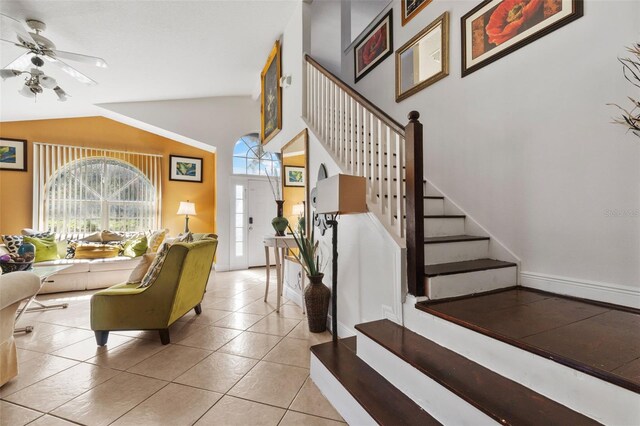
{"points": [[261, 209]]}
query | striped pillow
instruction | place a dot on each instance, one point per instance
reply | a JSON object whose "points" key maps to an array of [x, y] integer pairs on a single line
{"points": [[154, 270]]}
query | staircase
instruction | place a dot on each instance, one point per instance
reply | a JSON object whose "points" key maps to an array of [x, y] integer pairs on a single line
{"points": [[435, 368]]}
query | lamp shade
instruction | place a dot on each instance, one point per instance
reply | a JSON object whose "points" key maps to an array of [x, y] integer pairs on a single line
{"points": [[342, 194], [187, 208]]}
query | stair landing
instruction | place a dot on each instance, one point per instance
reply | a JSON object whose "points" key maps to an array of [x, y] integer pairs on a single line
{"points": [[599, 339]]}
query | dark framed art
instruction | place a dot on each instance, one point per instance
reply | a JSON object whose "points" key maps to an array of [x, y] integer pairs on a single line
{"points": [[295, 176], [185, 169], [410, 8], [496, 28], [374, 47], [13, 154], [271, 96]]}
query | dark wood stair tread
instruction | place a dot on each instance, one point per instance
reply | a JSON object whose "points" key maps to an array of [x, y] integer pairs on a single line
{"points": [[426, 197], [439, 216], [502, 399], [384, 402], [454, 239], [465, 266]]}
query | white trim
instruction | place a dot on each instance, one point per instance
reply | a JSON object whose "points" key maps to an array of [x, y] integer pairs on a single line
{"points": [[595, 290]]}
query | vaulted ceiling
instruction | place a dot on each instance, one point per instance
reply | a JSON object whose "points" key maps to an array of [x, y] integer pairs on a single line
{"points": [[155, 50]]}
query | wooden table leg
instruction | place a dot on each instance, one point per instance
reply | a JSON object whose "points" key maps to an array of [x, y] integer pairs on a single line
{"points": [[268, 263], [278, 278]]}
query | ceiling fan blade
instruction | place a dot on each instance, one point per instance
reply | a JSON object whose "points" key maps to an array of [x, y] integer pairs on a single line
{"points": [[85, 59], [71, 71], [11, 29], [23, 62], [15, 43]]}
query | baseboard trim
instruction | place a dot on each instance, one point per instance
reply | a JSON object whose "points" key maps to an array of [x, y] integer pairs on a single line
{"points": [[585, 289]]}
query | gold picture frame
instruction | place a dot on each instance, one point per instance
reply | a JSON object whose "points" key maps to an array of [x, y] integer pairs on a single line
{"points": [[410, 8], [443, 22], [271, 95]]}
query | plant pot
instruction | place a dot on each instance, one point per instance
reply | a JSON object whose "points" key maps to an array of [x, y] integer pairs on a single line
{"points": [[316, 299], [280, 223]]}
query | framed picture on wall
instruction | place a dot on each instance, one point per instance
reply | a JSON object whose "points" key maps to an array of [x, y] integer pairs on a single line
{"points": [[295, 176], [496, 28], [271, 96], [410, 8], [185, 169], [374, 47], [13, 154]]}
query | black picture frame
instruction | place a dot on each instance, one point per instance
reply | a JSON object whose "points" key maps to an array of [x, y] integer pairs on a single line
{"points": [[388, 20], [24, 148], [176, 175]]}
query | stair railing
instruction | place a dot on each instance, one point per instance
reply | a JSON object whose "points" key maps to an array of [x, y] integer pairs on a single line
{"points": [[365, 141]]}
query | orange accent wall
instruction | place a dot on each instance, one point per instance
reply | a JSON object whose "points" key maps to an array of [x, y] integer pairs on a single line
{"points": [[16, 188], [292, 195]]}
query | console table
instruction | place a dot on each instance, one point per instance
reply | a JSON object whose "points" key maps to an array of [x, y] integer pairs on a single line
{"points": [[280, 245]]}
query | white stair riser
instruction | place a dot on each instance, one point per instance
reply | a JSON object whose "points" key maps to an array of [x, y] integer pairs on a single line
{"points": [[338, 396], [455, 252], [595, 398], [433, 206], [441, 227], [442, 404], [454, 285]]}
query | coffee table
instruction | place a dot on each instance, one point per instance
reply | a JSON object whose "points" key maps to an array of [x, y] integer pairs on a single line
{"points": [[44, 273]]}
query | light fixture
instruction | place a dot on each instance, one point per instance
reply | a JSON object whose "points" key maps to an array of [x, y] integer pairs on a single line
{"points": [[62, 95], [35, 81], [336, 195], [27, 91], [9, 73], [285, 81], [186, 208]]}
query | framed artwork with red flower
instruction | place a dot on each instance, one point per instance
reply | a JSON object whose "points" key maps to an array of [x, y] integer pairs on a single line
{"points": [[374, 47], [496, 28]]}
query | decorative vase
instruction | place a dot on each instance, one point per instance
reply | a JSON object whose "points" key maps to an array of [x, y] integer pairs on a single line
{"points": [[280, 222], [316, 299], [27, 251]]}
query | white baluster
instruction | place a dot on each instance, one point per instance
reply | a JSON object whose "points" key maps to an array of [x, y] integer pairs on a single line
{"points": [[390, 174], [352, 135], [400, 201]]}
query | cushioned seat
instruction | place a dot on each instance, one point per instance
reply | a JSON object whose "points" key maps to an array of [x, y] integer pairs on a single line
{"points": [[113, 263], [178, 288]]}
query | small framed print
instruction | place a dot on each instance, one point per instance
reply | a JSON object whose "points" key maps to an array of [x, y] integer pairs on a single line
{"points": [[186, 169], [295, 176], [13, 154], [374, 47], [410, 8]]}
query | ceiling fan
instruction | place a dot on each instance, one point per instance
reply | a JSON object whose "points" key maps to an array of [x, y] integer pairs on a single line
{"points": [[40, 49]]}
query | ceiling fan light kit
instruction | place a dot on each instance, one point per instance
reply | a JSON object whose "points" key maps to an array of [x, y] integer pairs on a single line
{"points": [[40, 49]]}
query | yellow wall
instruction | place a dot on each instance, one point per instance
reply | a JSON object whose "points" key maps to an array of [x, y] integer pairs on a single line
{"points": [[292, 195], [16, 187]]}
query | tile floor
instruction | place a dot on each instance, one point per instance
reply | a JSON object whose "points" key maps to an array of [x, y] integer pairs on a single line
{"points": [[239, 363]]}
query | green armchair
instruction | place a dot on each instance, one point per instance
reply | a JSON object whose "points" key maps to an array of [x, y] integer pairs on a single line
{"points": [[178, 288]]}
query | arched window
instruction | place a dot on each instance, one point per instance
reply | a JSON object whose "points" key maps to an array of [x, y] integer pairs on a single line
{"points": [[97, 193], [250, 158]]}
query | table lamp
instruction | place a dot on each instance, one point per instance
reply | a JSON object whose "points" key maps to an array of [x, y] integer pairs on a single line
{"points": [[339, 195], [186, 208]]}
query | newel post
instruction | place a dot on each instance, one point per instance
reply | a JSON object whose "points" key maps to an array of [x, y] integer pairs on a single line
{"points": [[415, 205]]}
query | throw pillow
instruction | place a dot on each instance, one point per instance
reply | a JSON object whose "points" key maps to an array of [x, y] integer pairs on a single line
{"points": [[136, 246], [46, 247], [141, 270], [96, 237], [155, 239], [108, 236], [14, 241], [95, 251], [154, 270], [185, 238]]}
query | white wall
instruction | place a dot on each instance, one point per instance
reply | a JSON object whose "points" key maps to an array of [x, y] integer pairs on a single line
{"points": [[218, 122], [525, 144]]}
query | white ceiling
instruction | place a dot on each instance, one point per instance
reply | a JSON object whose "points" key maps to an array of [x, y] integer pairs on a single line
{"points": [[156, 50]]}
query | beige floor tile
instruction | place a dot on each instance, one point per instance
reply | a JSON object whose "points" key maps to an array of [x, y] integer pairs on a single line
{"points": [[53, 342], [252, 345], [14, 415], [311, 401], [301, 331], [207, 317], [129, 354], [270, 383], [173, 405], [40, 329], [271, 298], [48, 420], [88, 348], [238, 412], [35, 370], [259, 307], [54, 391], [211, 338], [25, 355], [274, 324], [218, 372], [291, 352], [177, 331], [298, 419], [110, 400], [225, 304], [239, 321], [291, 310], [170, 363]]}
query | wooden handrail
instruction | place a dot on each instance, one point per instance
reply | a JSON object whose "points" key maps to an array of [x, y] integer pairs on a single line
{"points": [[379, 114]]}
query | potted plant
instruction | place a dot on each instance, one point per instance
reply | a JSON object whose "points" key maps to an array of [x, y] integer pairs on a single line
{"points": [[316, 294], [630, 118]]}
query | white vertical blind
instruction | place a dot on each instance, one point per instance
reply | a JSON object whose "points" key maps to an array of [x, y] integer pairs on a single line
{"points": [[78, 190]]}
